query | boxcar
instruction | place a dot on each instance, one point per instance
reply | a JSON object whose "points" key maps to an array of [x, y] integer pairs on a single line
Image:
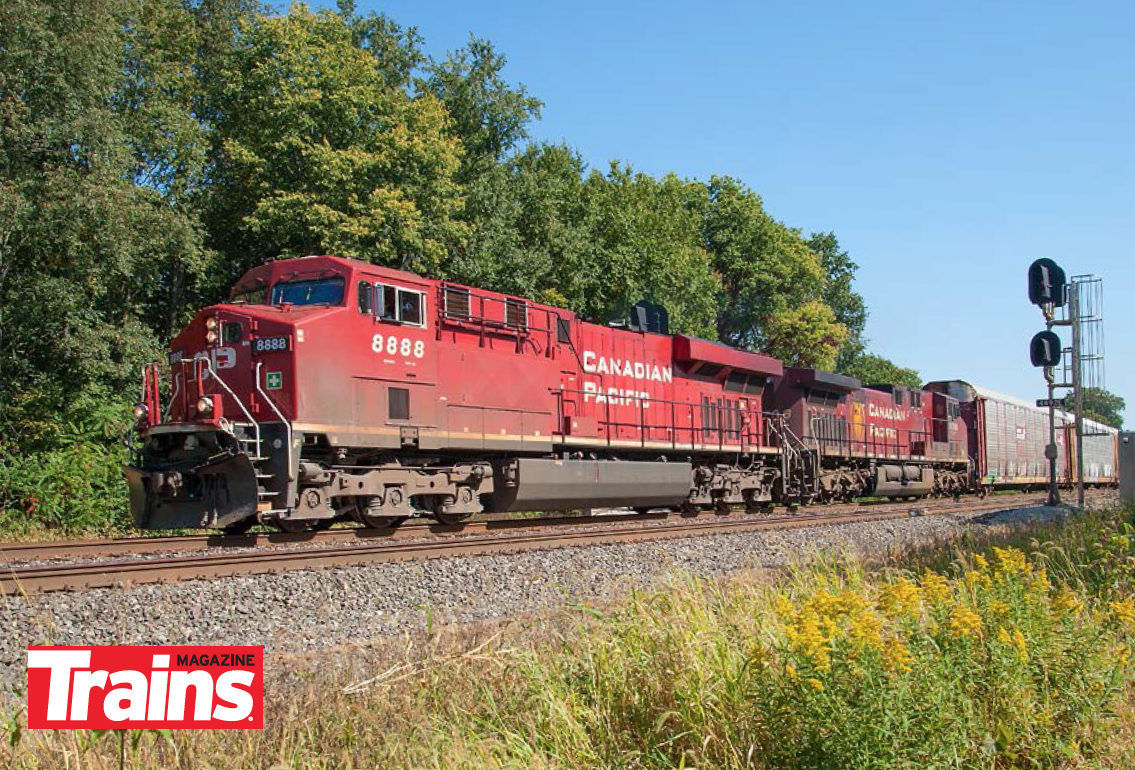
{"points": [[1007, 438]]}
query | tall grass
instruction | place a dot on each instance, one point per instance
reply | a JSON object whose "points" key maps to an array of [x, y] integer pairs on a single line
{"points": [[1011, 652]]}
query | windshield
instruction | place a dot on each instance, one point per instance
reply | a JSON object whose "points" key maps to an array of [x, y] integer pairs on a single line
{"points": [[252, 294], [320, 291]]}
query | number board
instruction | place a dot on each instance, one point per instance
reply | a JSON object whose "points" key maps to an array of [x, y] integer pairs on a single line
{"points": [[269, 345]]}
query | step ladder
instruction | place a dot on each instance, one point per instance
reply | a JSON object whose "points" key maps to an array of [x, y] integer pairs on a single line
{"points": [[800, 463], [253, 446]]}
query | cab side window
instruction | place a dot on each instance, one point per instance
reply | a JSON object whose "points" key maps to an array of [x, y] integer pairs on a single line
{"points": [[405, 306], [366, 298], [410, 307], [387, 302]]}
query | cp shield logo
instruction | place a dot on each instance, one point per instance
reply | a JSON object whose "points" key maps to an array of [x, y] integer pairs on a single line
{"points": [[146, 687]]}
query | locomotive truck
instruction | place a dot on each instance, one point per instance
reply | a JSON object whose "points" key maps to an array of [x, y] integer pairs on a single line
{"points": [[328, 388]]}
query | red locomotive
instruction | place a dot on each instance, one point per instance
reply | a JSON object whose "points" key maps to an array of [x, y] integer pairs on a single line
{"points": [[328, 388]]}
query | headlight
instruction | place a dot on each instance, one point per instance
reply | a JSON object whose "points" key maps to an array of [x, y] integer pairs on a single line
{"points": [[210, 323], [140, 411], [204, 405], [210, 336]]}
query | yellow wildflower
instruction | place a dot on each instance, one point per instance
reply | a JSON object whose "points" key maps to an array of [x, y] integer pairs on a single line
{"points": [[998, 608], [816, 684], [964, 622], [1123, 611], [1021, 645], [806, 635], [1122, 654], [897, 656], [1039, 580], [934, 586], [1065, 602], [976, 578], [1011, 561], [784, 607], [790, 670], [1016, 640], [827, 604], [899, 598], [981, 562], [866, 630]]}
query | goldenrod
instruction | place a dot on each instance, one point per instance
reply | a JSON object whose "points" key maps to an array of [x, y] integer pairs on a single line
{"points": [[897, 656], [935, 587], [1123, 611], [1021, 645], [899, 598], [1065, 602], [964, 622]]}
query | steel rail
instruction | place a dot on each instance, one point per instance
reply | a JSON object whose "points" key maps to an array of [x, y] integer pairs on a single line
{"points": [[67, 549], [58, 577]]}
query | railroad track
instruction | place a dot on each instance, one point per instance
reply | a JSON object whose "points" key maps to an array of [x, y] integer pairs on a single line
{"points": [[125, 546], [375, 547]]}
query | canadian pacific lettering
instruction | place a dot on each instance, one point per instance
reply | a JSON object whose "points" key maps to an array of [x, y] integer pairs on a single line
{"points": [[635, 370]]}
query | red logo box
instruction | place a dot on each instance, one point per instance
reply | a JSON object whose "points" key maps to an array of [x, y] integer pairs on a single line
{"points": [[146, 687]]}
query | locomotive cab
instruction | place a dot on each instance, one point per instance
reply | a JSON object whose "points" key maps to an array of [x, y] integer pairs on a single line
{"points": [[222, 450]]}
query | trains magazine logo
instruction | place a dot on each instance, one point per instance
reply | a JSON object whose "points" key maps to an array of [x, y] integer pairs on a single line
{"points": [[146, 687]]}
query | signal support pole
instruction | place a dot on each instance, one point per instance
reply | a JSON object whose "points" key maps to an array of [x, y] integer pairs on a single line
{"points": [[1074, 317], [1050, 450]]}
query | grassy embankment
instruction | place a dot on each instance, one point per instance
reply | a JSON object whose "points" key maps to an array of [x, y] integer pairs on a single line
{"points": [[1004, 651]]}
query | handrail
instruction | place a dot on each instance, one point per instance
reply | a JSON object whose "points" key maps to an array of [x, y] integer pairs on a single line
{"points": [[176, 377], [209, 366], [271, 403], [707, 434]]}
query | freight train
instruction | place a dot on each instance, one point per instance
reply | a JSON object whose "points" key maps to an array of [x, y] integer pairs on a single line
{"points": [[330, 389]]}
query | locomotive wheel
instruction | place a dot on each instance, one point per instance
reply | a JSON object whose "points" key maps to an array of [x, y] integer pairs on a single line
{"points": [[381, 522], [451, 519], [240, 527], [293, 526]]}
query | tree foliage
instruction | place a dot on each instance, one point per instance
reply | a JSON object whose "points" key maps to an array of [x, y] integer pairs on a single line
{"points": [[322, 147], [1104, 406], [871, 369]]}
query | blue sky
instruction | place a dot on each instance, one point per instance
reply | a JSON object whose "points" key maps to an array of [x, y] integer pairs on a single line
{"points": [[948, 144]]}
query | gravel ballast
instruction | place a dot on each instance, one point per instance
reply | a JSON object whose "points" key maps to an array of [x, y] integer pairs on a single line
{"points": [[304, 611]]}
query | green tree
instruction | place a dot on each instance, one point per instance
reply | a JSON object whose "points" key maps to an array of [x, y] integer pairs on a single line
{"points": [[1104, 406], [91, 213], [805, 335], [550, 230], [645, 232], [531, 227], [839, 293], [772, 281], [487, 114], [323, 148], [99, 152], [871, 369]]}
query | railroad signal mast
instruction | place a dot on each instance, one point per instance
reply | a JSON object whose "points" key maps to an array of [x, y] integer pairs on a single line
{"points": [[1076, 304]]}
